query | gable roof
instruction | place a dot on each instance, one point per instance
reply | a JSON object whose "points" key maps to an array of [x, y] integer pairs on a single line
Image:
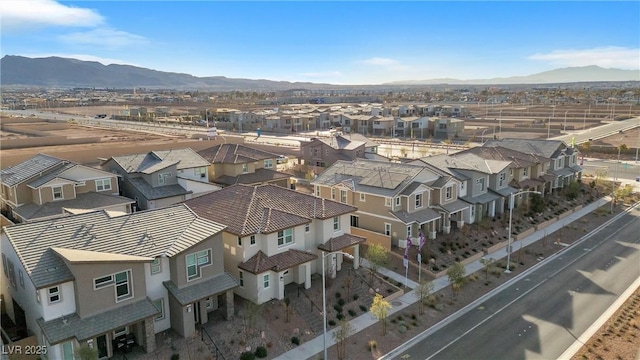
{"points": [[477, 163], [257, 177], [518, 159], [369, 176], [234, 154], [27, 169], [157, 160], [260, 262], [246, 210], [139, 234], [546, 148]]}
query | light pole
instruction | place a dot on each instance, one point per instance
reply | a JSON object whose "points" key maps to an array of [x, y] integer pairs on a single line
{"points": [[564, 128], [324, 298], [511, 203], [482, 136], [613, 183], [500, 124], [584, 122], [548, 128]]}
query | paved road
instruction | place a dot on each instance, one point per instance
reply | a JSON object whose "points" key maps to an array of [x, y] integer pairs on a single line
{"points": [[600, 132], [540, 315]]}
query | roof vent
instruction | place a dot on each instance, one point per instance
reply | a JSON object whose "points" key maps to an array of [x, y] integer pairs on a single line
{"points": [[59, 226]]}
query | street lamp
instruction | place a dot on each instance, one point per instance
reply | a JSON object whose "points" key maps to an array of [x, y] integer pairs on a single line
{"points": [[500, 124], [613, 183], [324, 298], [511, 203], [565, 121], [482, 136]]}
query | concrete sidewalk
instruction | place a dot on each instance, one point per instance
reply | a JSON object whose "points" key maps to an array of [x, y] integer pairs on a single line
{"points": [[315, 346]]}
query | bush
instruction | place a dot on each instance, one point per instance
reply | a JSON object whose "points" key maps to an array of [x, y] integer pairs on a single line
{"points": [[341, 302], [175, 356], [337, 307], [332, 323], [352, 312], [261, 352], [340, 316], [372, 345], [295, 340], [363, 308], [356, 296], [402, 329], [338, 295], [247, 355]]}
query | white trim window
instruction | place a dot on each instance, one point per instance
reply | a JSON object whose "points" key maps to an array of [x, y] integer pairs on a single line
{"points": [[120, 332], [355, 221], [54, 295], [525, 172], [363, 197], [252, 240], [387, 202], [156, 266], [343, 196], [245, 168], [162, 178], [317, 190], [200, 172], [159, 304], [268, 163], [241, 278], [307, 228], [285, 237], [409, 231], [104, 281], [448, 193], [333, 193], [387, 229], [398, 201], [195, 262], [239, 241], [418, 201], [123, 285], [336, 223], [57, 192], [103, 184], [501, 179], [67, 350], [480, 182], [265, 281]]}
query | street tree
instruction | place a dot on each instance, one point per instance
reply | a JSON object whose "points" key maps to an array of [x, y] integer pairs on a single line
{"points": [[340, 335], [377, 255], [423, 292], [456, 274], [380, 310]]}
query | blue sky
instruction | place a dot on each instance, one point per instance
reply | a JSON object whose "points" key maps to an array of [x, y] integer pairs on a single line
{"points": [[333, 42]]}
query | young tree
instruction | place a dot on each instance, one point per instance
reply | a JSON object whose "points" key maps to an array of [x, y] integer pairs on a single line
{"points": [[340, 336], [456, 274], [377, 255], [380, 309], [489, 264], [423, 291]]}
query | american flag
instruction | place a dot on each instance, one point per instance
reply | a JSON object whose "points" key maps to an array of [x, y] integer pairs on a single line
{"points": [[422, 242], [406, 250]]}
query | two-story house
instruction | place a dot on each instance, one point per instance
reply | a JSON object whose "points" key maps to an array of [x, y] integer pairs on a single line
{"points": [[393, 199], [446, 128], [106, 281], [240, 164], [322, 152], [45, 187], [276, 236], [161, 178], [563, 165]]}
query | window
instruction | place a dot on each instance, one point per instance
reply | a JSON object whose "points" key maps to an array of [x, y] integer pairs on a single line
{"points": [[67, 351], [363, 197], [317, 190], [103, 184], [239, 241], [285, 237], [21, 278], [336, 223], [355, 221], [123, 285], [398, 201], [481, 183], [418, 201], [343, 196], [265, 281], [268, 164], [201, 171], [119, 332], [448, 193], [387, 229], [54, 294], [5, 267], [159, 304], [195, 262], [101, 282], [208, 303], [409, 231], [156, 266], [502, 178], [12, 274], [163, 177], [307, 228], [241, 277], [387, 202], [252, 240], [57, 192], [245, 168], [333, 194], [525, 171]]}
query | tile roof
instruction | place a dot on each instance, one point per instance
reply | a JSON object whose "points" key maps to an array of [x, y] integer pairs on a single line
{"points": [[28, 169], [546, 148], [258, 177], [419, 217], [234, 154], [518, 159], [481, 199], [72, 326], [247, 210], [143, 233], [341, 142], [201, 289], [454, 207], [260, 262], [52, 175], [157, 160], [85, 201], [470, 161], [160, 192], [341, 242], [369, 176]]}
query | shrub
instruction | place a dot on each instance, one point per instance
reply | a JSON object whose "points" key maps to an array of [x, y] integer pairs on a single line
{"points": [[261, 352], [356, 296], [402, 329], [332, 323], [372, 345], [338, 295], [340, 316], [247, 355], [341, 302], [337, 307], [352, 312], [295, 340], [363, 308], [175, 356]]}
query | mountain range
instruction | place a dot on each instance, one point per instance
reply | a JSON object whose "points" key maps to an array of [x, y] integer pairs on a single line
{"points": [[65, 72]]}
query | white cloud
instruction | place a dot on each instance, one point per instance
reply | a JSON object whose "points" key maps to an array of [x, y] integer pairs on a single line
{"points": [[608, 57], [104, 37], [27, 14], [322, 74], [379, 61]]}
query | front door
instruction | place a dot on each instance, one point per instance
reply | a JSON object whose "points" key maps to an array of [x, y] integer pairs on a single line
{"points": [[196, 312], [103, 351]]}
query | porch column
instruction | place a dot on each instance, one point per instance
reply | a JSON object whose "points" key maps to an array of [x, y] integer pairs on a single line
{"points": [[307, 275], [431, 230], [446, 227], [230, 306], [339, 260], [492, 209], [460, 220], [149, 336], [204, 318], [356, 256]]}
